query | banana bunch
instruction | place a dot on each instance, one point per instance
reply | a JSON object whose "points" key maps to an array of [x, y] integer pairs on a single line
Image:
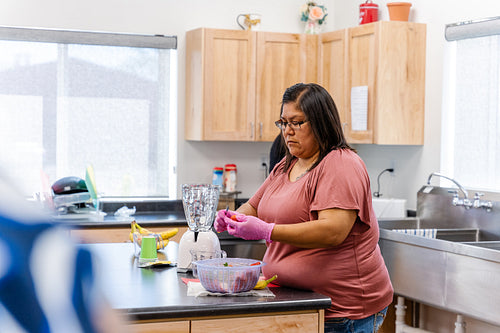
{"points": [[162, 238]]}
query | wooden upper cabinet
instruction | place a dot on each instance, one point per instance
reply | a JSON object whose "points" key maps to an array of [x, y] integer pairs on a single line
{"points": [[282, 60], [220, 84], [235, 80], [332, 47], [389, 58], [360, 59]]}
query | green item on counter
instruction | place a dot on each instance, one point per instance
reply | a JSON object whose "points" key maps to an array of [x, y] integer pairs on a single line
{"points": [[148, 248]]}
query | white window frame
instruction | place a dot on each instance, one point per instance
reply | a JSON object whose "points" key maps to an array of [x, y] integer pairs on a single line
{"points": [[453, 33]]}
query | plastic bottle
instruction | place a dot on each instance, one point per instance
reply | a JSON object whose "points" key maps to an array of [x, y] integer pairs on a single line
{"points": [[217, 178], [230, 178]]}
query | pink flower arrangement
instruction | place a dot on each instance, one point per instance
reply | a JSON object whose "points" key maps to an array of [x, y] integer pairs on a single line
{"points": [[311, 11]]}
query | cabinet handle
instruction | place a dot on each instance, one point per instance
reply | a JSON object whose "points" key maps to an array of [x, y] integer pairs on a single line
{"points": [[344, 125], [261, 129], [252, 129]]}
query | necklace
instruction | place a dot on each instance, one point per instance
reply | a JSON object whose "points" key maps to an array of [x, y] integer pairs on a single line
{"points": [[301, 175], [306, 171]]}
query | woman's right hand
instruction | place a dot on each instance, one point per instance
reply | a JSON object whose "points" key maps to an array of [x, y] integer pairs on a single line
{"points": [[220, 225]]}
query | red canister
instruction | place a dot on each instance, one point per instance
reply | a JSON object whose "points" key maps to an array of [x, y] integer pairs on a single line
{"points": [[368, 12]]}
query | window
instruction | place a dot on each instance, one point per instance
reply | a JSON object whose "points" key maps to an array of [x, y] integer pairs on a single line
{"points": [[471, 110], [71, 99]]}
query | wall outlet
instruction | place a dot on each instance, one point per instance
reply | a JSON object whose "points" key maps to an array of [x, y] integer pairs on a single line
{"points": [[264, 164], [393, 167]]}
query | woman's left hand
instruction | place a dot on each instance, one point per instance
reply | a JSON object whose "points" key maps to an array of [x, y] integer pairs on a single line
{"points": [[249, 227]]}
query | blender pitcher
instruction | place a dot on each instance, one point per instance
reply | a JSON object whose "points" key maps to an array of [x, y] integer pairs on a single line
{"points": [[200, 206]]}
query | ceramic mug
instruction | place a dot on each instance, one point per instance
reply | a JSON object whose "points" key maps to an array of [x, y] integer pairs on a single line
{"points": [[250, 21]]}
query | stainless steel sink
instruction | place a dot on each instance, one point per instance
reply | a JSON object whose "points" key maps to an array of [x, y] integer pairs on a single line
{"points": [[449, 234], [493, 245], [460, 269]]}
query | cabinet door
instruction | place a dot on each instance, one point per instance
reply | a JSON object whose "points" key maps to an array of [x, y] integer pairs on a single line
{"points": [[361, 67], [298, 323], [282, 60], [389, 58], [116, 235], [220, 89], [332, 68], [400, 101], [160, 327], [229, 89]]}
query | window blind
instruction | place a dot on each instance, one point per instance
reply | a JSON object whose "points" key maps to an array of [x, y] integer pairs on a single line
{"points": [[87, 37], [472, 29]]}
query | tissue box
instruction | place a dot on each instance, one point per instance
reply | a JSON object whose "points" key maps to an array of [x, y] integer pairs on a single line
{"points": [[389, 207]]}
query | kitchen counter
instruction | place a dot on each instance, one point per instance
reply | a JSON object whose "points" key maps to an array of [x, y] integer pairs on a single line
{"points": [[150, 212], [146, 294], [146, 219]]}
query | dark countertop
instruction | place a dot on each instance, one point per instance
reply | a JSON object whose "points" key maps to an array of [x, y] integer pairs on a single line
{"points": [[155, 293], [145, 219], [149, 213]]}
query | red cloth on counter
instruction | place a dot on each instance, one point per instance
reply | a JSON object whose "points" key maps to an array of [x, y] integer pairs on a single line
{"points": [[186, 280]]}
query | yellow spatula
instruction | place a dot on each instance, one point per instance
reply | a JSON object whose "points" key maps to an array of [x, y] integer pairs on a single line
{"points": [[261, 284]]}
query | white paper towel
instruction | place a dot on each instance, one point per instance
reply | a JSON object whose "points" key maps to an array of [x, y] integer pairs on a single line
{"points": [[389, 207]]}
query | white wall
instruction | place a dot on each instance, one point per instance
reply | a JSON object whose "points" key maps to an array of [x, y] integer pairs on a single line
{"points": [[196, 159]]}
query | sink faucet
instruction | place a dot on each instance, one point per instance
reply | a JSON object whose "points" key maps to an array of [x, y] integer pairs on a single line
{"points": [[456, 200], [478, 203]]}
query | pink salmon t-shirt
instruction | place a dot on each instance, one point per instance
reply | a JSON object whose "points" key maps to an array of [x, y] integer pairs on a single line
{"points": [[353, 274]]}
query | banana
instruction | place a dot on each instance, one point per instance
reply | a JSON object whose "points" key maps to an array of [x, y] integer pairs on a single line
{"points": [[164, 234], [160, 244], [133, 229], [169, 233], [140, 231], [261, 284]]}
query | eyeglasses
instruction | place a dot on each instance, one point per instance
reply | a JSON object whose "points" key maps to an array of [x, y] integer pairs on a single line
{"points": [[295, 125]]}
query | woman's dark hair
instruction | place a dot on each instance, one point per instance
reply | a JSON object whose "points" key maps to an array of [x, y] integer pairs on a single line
{"points": [[277, 152], [321, 112]]}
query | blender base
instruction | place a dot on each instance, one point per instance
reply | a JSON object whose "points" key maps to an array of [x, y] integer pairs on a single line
{"points": [[206, 241]]}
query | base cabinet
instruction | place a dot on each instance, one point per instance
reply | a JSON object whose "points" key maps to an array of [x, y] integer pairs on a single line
{"points": [[160, 327], [283, 323], [115, 235], [297, 322]]}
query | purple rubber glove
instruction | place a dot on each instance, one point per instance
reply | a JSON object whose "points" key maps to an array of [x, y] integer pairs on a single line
{"points": [[220, 224], [249, 228]]}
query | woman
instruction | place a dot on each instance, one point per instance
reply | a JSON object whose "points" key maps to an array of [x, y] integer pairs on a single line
{"points": [[277, 152], [315, 212]]}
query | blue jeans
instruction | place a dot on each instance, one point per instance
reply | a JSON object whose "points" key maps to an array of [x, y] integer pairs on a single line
{"points": [[370, 324]]}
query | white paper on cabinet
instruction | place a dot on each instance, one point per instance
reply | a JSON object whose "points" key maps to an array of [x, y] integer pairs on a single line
{"points": [[359, 108]]}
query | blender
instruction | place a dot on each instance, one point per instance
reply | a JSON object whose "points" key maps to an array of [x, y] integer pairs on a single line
{"points": [[200, 206]]}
